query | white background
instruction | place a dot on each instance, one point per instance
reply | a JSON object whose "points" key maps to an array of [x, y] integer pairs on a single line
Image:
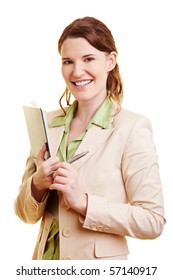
{"points": [[30, 71]]}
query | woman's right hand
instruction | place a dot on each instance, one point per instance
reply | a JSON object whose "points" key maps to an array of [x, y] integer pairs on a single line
{"points": [[41, 180]]}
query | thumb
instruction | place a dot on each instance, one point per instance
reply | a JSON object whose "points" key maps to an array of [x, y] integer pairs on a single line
{"points": [[41, 154]]}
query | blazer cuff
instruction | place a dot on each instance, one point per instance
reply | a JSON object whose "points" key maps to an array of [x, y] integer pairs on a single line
{"points": [[97, 209], [44, 199]]}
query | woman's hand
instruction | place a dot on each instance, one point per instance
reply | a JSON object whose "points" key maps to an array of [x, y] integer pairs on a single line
{"points": [[65, 180], [41, 181]]}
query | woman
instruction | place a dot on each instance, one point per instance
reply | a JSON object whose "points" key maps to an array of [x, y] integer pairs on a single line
{"points": [[89, 206]]}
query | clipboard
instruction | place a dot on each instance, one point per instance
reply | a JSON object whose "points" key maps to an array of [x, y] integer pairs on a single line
{"points": [[36, 122]]}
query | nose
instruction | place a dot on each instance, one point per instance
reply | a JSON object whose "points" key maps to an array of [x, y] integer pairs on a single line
{"points": [[78, 69]]}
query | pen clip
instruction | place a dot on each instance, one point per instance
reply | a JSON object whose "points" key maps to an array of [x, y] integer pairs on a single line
{"points": [[78, 156]]}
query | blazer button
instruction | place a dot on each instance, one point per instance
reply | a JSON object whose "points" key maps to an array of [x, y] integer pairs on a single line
{"points": [[99, 228], [106, 229], [93, 226], [66, 232], [67, 258]]}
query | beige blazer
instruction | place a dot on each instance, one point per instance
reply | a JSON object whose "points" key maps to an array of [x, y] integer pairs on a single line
{"points": [[120, 174]]}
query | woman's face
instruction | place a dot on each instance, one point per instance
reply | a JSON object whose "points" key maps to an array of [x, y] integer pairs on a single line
{"points": [[85, 69]]}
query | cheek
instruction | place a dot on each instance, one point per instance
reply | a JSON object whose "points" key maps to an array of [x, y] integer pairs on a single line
{"points": [[101, 69], [64, 73]]}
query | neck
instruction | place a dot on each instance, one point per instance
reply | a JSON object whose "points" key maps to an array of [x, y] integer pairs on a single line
{"points": [[86, 109]]}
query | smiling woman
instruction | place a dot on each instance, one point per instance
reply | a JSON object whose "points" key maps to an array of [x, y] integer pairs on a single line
{"points": [[86, 70], [97, 41], [88, 207]]}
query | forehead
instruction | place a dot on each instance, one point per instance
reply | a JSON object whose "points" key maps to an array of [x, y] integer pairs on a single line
{"points": [[77, 47]]}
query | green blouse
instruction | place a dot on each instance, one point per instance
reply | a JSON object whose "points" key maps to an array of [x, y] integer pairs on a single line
{"points": [[101, 118]]}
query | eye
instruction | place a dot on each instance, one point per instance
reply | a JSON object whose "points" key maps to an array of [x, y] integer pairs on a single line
{"points": [[66, 62], [88, 59]]}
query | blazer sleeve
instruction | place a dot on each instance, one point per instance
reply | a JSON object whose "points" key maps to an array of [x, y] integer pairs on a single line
{"points": [[143, 214], [25, 206]]}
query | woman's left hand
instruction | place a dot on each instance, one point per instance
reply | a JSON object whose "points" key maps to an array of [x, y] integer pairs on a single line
{"points": [[65, 180]]}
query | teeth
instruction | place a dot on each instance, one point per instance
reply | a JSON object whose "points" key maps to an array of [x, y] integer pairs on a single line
{"points": [[82, 83]]}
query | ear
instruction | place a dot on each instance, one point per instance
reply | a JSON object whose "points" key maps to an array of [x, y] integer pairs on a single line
{"points": [[111, 60]]}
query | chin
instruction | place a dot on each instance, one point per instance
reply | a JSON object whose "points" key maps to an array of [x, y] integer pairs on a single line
{"points": [[83, 98]]}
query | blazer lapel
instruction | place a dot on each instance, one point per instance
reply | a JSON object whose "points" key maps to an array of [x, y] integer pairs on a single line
{"points": [[93, 139]]}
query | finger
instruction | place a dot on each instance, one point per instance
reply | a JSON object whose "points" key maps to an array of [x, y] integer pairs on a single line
{"points": [[50, 164], [61, 180], [41, 154], [66, 166], [67, 182], [52, 161], [58, 187], [62, 172]]}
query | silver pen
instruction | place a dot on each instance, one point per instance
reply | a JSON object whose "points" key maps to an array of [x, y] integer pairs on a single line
{"points": [[76, 157]]}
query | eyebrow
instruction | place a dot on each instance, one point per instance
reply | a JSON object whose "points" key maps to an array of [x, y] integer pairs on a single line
{"points": [[84, 56]]}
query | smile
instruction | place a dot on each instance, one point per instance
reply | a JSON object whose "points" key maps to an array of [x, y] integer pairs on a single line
{"points": [[82, 83]]}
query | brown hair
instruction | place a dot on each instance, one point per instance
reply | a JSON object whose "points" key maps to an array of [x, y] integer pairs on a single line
{"points": [[100, 37]]}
